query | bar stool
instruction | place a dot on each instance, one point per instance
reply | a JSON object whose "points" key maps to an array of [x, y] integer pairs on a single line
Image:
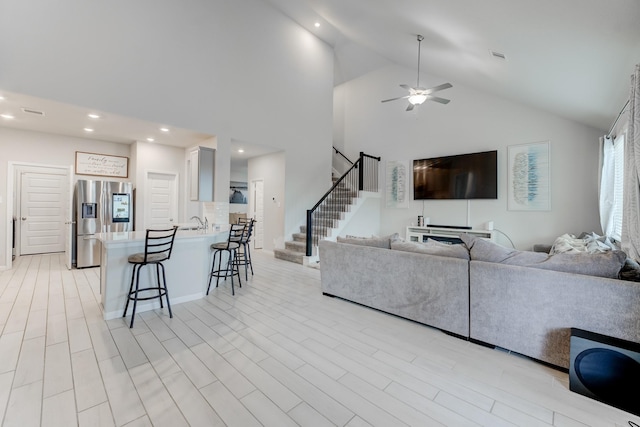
{"points": [[157, 248], [243, 257], [229, 247]]}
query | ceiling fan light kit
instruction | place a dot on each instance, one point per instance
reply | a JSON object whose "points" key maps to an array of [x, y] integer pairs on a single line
{"points": [[417, 95], [417, 99]]}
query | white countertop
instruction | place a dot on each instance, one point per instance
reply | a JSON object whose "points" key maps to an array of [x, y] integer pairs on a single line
{"points": [[125, 237]]}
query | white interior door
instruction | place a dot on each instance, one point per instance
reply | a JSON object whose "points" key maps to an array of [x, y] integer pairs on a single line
{"points": [[258, 213], [43, 206], [161, 206]]}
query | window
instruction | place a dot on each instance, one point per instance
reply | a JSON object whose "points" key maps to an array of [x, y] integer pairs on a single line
{"points": [[612, 187], [618, 186]]}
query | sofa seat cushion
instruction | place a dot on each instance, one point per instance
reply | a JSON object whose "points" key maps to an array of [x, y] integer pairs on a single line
{"points": [[606, 264], [432, 247], [376, 242]]}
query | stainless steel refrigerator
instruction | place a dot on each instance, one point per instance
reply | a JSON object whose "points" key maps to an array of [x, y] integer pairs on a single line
{"points": [[100, 207]]}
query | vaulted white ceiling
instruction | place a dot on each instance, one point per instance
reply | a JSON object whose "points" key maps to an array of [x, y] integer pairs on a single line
{"points": [[569, 57], [572, 58]]}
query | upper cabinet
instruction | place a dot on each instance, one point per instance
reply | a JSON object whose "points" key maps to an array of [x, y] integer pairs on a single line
{"points": [[202, 164]]}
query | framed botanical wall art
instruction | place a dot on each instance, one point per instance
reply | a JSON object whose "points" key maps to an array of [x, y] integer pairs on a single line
{"points": [[397, 175], [529, 170]]}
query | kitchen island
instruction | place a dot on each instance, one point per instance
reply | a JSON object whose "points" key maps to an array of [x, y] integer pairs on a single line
{"points": [[187, 270]]}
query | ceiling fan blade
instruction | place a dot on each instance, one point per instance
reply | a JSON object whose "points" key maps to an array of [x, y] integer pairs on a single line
{"points": [[393, 99], [409, 107], [407, 87], [437, 99], [437, 88]]}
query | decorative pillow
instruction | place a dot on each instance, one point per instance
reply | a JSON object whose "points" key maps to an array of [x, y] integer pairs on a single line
{"points": [[433, 247], [376, 242], [605, 264]]}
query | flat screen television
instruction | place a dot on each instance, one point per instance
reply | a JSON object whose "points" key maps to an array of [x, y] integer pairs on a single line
{"points": [[464, 176]]}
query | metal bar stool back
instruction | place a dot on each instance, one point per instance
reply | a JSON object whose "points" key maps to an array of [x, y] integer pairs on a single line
{"points": [[158, 245], [244, 252], [230, 248]]}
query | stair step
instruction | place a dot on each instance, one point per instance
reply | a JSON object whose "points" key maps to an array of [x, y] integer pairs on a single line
{"points": [[296, 246], [338, 202], [334, 206], [303, 230], [343, 192], [320, 225], [347, 197], [288, 255], [300, 247], [299, 237], [322, 215]]}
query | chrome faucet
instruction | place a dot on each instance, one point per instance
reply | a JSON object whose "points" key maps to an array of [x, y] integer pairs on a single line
{"points": [[200, 223]]}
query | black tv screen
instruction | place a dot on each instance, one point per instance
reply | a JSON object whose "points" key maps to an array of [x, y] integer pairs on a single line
{"points": [[465, 176]]}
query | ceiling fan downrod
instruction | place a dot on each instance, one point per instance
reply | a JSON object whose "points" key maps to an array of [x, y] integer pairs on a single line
{"points": [[420, 38]]}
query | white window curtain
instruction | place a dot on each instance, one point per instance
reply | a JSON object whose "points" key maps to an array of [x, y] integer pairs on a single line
{"points": [[607, 186], [631, 211], [611, 186]]}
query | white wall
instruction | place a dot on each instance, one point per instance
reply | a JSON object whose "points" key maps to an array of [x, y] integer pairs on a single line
{"points": [[366, 221], [473, 121], [237, 70], [43, 149], [272, 170], [159, 159]]}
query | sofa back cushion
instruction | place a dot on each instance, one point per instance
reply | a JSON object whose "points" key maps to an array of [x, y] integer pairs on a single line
{"points": [[432, 247], [605, 264], [376, 242]]}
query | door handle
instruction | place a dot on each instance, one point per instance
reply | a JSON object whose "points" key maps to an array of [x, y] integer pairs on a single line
{"points": [[24, 218]]}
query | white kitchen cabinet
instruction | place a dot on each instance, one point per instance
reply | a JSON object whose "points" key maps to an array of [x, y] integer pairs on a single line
{"points": [[202, 173]]}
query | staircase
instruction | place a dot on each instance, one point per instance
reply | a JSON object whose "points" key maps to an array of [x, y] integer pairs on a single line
{"points": [[334, 210], [329, 219]]}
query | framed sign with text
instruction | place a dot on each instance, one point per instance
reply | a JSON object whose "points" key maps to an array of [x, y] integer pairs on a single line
{"points": [[101, 165]]}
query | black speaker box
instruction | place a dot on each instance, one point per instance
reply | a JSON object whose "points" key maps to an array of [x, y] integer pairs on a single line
{"points": [[606, 369]]}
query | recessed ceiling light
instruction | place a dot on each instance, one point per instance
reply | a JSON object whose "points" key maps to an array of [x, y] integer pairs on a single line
{"points": [[150, 139], [88, 129], [164, 129], [240, 150], [317, 25], [7, 116], [2, 98], [93, 116]]}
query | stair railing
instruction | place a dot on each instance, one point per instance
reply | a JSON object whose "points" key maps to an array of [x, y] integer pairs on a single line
{"points": [[361, 176], [340, 162]]}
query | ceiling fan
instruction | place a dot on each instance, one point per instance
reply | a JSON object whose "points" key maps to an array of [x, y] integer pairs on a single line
{"points": [[417, 95]]}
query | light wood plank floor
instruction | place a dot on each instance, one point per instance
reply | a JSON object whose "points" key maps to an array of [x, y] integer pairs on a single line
{"points": [[279, 353]]}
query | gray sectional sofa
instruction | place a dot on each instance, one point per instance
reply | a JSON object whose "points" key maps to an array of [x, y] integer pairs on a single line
{"points": [[517, 300], [433, 290]]}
